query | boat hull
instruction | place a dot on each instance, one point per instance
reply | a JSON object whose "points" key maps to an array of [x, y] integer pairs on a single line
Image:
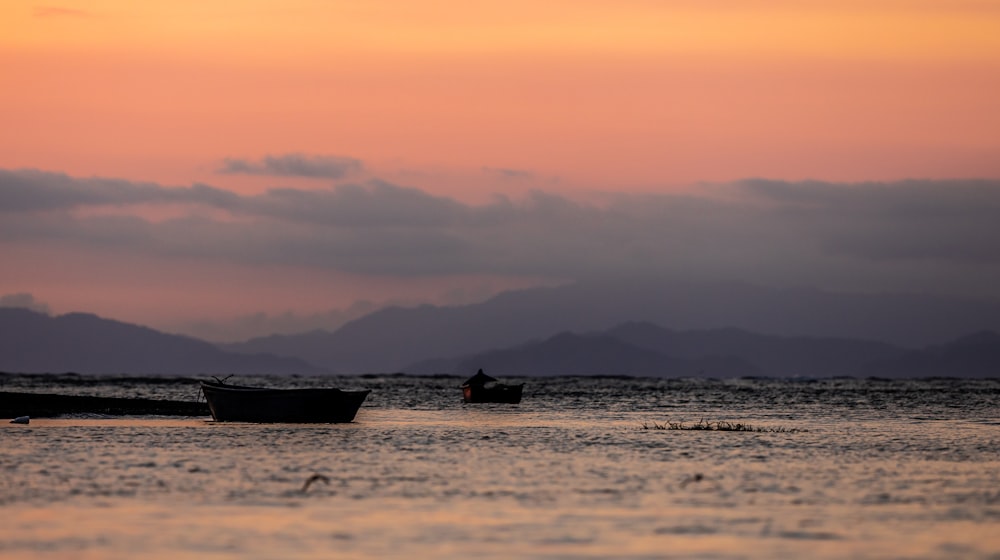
{"points": [[509, 394], [233, 403]]}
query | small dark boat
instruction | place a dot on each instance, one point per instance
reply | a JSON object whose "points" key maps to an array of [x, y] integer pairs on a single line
{"points": [[482, 388], [233, 403]]}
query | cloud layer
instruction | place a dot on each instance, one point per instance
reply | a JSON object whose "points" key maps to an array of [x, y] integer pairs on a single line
{"points": [[927, 235], [294, 165]]}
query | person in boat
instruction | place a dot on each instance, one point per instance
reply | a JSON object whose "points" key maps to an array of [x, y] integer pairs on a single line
{"points": [[479, 380], [482, 388]]}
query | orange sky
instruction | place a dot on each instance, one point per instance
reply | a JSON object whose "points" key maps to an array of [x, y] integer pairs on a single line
{"points": [[597, 95], [469, 99]]}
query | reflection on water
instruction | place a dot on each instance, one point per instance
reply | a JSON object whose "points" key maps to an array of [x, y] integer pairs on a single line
{"points": [[904, 469]]}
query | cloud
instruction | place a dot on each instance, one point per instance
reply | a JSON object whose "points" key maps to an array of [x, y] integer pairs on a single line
{"points": [[944, 220], [907, 235], [375, 204], [31, 190], [23, 301], [295, 165]]}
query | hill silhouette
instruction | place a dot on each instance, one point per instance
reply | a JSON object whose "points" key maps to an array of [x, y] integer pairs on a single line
{"points": [[395, 338], [545, 331], [974, 355], [595, 354], [774, 356], [32, 342], [649, 350]]}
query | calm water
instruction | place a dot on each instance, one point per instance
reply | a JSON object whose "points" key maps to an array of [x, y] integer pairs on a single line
{"points": [[867, 469]]}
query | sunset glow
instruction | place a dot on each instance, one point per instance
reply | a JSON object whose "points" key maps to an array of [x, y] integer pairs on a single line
{"points": [[472, 100], [638, 94]]}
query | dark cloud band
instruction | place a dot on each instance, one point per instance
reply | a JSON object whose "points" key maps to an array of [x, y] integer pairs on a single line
{"points": [[917, 235], [294, 165]]}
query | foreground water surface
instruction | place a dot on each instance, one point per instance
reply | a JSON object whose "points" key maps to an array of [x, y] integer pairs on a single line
{"points": [[849, 469]]}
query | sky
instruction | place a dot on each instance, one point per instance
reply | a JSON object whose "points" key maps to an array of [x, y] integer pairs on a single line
{"points": [[229, 169]]}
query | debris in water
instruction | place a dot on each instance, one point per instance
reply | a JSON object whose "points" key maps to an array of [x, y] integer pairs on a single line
{"points": [[314, 478], [698, 477], [20, 420]]}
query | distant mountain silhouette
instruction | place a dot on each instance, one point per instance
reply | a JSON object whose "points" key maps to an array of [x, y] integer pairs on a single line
{"points": [[650, 350], [32, 342], [810, 333], [975, 355], [774, 356], [392, 339], [598, 354]]}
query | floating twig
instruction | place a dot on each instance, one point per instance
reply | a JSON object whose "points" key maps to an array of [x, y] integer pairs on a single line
{"points": [[324, 479]]}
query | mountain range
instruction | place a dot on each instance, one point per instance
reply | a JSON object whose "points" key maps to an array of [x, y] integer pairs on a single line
{"points": [[509, 336], [397, 339], [32, 342], [647, 349], [975, 355]]}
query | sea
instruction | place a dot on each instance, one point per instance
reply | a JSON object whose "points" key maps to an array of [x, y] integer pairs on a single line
{"points": [[582, 468]]}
